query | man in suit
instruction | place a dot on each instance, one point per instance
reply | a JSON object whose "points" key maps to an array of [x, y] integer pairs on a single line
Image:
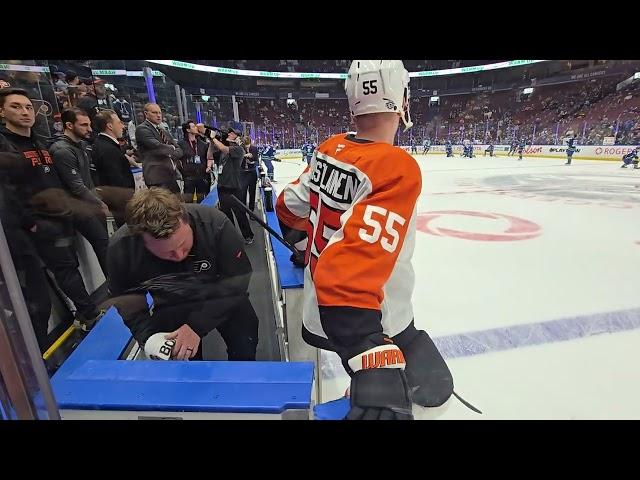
{"points": [[160, 169], [112, 165]]}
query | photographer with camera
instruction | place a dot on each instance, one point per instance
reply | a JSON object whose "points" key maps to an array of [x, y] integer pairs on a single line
{"points": [[205, 134], [197, 181], [202, 133], [249, 173], [94, 101], [228, 171]]}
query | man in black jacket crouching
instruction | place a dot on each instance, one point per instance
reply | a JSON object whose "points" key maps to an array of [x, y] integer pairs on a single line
{"points": [[191, 261]]}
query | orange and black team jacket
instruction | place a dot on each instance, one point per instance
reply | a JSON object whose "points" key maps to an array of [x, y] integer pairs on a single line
{"points": [[357, 202]]}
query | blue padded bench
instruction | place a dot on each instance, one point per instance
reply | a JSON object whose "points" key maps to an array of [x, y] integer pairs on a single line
{"points": [[93, 378]]}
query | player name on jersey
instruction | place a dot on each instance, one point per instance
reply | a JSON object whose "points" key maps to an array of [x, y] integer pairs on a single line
{"points": [[338, 184]]}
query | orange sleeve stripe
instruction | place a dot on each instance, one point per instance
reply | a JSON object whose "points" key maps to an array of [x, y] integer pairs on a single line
{"points": [[287, 217], [296, 193]]}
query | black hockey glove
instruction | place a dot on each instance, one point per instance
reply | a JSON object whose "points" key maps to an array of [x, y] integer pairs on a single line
{"points": [[379, 387]]}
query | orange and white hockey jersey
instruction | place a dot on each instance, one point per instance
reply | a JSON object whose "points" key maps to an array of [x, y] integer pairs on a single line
{"points": [[357, 202]]}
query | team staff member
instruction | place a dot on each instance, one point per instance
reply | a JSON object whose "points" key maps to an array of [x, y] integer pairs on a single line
{"points": [[202, 251]]}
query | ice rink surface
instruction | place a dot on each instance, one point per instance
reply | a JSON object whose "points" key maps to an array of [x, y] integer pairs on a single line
{"points": [[528, 280]]}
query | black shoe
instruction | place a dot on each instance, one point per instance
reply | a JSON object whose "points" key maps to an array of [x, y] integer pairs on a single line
{"points": [[87, 322], [248, 240], [623, 166]]}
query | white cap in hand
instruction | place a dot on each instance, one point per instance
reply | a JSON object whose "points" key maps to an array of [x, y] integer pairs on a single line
{"points": [[159, 348]]}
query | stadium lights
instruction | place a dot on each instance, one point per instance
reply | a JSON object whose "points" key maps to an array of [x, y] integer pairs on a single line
{"points": [[434, 99], [258, 73], [527, 91], [205, 98]]}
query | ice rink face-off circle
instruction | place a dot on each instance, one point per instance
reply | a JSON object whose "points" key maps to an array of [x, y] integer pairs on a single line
{"points": [[516, 228]]}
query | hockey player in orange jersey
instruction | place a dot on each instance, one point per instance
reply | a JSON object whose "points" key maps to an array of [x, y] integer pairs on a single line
{"points": [[357, 203]]}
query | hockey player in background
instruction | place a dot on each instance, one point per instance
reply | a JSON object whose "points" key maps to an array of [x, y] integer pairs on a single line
{"points": [[571, 148], [310, 150], [489, 149], [470, 150], [307, 152], [448, 148], [268, 156], [426, 145], [631, 157], [357, 203], [521, 146], [512, 149], [414, 148], [465, 150]]}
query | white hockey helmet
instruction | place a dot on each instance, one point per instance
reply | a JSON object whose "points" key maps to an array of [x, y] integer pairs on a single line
{"points": [[375, 86]]}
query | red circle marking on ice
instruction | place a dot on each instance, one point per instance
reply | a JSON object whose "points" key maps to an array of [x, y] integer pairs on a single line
{"points": [[519, 228]]}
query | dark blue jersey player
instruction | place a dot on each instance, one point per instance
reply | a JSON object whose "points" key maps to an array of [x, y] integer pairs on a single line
{"points": [[489, 149], [631, 157], [521, 146], [571, 148]]}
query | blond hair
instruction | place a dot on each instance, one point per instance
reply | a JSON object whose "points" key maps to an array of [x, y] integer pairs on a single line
{"points": [[155, 211], [149, 104]]}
